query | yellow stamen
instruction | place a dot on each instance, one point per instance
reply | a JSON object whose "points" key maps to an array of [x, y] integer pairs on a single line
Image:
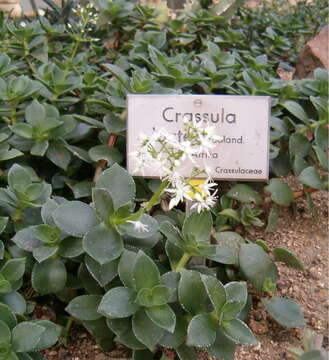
{"points": [[195, 183]]}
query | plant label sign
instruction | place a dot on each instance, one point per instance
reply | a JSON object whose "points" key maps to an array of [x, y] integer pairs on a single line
{"points": [[242, 153]]}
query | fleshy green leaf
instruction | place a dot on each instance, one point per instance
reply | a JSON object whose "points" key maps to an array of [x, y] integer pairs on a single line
{"points": [[145, 273], [35, 114], [145, 330], [273, 218], [171, 233], [13, 356], [144, 355], [187, 353], [201, 331], [286, 312], [44, 252], [7, 316], [47, 210], [129, 228], [238, 331], [294, 108], [175, 339], [113, 123], [158, 295], [18, 178], [281, 164], [81, 189], [174, 254], [119, 183], [49, 277], [288, 257], [103, 274], [321, 136], [230, 310], [50, 335], [171, 280], [5, 286], [40, 148], [245, 194], [2, 250], [78, 152], [223, 347], [85, 307], [26, 336], [15, 301], [237, 291], [119, 326], [126, 266], [197, 226], [75, 218], [119, 74], [163, 316], [70, 247], [299, 146], [118, 303], [100, 331], [103, 152], [103, 204], [280, 192], [311, 178], [226, 253], [13, 269], [256, 265], [312, 355], [215, 291], [23, 130], [47, 234], [230, 213], [3, 223], [130, 340], [59, 155], [90, 121], [322, 157], [103, 244], [5, 334], [6, 154], [192, 293]]}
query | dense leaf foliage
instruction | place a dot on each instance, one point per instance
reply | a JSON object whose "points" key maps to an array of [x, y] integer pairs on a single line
{"points": [[67, 205]]}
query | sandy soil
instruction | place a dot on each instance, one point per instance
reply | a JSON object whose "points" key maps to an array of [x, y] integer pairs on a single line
{"points": [[308, 238]]}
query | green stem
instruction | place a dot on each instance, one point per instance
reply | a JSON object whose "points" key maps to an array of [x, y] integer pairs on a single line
{"points": [[75, 49], [99, 102], [156, 196], [66, 330], [305, 128], [7, 256], [153, 201], [214, 317], [17, 215], [183, 261], [13, 117], [69, 323]]}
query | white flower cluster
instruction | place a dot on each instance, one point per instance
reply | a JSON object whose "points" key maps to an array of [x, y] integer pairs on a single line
{"points": [[164, 152], [139, 226], [88, 17]]}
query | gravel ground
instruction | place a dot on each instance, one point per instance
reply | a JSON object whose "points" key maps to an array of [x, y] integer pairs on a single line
{"points": [[308, 238]]}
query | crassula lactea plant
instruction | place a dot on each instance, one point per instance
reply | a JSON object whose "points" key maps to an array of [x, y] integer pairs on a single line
{"points": [[115, 254], [132, 263], [156, 302]]}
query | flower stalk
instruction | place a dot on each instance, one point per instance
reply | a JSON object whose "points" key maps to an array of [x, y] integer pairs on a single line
{"points": [[182, 262]]}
